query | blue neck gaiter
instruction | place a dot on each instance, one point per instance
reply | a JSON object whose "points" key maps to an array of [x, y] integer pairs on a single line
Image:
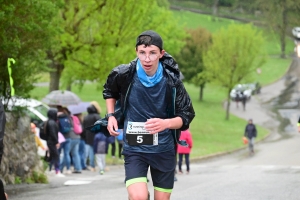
{"points": [[149, 81]]}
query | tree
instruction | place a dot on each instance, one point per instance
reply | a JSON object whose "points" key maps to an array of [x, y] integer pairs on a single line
{"points": [[234, 56], [25, 33], [190, 58], [163, 3], [280, 22], [97, 34], [215, 8]]}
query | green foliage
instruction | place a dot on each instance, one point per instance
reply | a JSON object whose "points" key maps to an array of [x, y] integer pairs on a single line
{"points": [[99, 35], [286, 16], [29, 180], [45, 163], [163, 3], [190, 58], [234, 55], [34, 178], [18, 180], [39, 177], [25, 32]]}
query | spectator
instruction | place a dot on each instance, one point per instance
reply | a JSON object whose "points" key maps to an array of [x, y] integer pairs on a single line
{"points": [[244, 100], [237, 98], [185, 151], [81, 148], [92, 116], [99, 150], [250, 133], [51, 130], [37, 139], [71, 145], [111, 141]]}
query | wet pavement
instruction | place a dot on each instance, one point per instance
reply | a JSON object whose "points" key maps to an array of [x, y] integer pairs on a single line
{"points": [[272, 173]]}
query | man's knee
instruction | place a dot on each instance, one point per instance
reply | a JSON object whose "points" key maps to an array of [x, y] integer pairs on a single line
{"points": [[138, 191]]}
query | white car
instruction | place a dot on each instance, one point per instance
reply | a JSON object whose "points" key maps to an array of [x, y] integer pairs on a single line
{"points": [[296, 32], [241, 89], [36, 110]]}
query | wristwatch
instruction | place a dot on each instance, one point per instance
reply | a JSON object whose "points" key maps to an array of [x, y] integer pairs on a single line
{"points": [[109, 115]]}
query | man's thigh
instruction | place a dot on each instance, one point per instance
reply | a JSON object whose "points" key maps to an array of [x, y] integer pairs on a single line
{"points": [[162, 167], [136, 167]]}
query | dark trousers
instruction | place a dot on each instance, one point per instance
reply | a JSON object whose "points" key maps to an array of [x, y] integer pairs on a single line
{"points": [[54, 156], [113, 148], [120, 149], [187, 161]]}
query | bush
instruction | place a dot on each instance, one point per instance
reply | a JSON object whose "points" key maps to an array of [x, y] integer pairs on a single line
{"points": [[18, 180], [39, 177]]}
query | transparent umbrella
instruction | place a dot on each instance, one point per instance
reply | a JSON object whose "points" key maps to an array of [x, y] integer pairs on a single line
{"points": [[61, 98], [79, 108]]}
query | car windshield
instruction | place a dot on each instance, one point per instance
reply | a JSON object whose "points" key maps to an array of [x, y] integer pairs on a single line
{"points": [[42, 109]]}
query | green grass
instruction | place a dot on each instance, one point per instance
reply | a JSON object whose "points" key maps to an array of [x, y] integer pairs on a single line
{"points": [[208, 9], [272, 70], [211, 132], [194, 20]]}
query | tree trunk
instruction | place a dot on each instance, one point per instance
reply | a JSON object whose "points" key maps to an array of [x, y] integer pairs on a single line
{"points": [[215, 8], [283, 29], [228, 106], [201, 92], [55, 77], [55, 73], [69, 87]]}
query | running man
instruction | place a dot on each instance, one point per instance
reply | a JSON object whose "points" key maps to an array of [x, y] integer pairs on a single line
{"points": [[156, 107]]}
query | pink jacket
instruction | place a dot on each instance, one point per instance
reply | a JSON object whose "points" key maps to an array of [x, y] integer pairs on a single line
{"points": [[187, 136]]}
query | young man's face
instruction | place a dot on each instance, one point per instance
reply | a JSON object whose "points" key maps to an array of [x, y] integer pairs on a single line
{"points": [[149, 57]]}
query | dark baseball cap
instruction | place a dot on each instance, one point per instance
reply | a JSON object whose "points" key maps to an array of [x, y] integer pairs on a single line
{"points": [[155, 38]]}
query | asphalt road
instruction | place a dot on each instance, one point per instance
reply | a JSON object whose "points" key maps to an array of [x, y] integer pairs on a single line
{"points": [[272, 173]]}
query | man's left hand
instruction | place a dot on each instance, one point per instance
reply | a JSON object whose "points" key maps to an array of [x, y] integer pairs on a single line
{"points": [[156, 125]]}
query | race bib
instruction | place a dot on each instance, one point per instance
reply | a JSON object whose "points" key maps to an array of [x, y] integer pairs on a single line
{"points": [[137, 135]]}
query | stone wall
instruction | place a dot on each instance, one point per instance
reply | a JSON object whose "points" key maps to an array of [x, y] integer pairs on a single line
{"points": [[20, 156]]}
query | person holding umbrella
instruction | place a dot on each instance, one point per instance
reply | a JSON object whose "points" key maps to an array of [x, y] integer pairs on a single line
{"points": [[76, 111]]}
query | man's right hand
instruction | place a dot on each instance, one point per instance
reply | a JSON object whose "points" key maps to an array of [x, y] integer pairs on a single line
{"points": [[112, 126]]}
